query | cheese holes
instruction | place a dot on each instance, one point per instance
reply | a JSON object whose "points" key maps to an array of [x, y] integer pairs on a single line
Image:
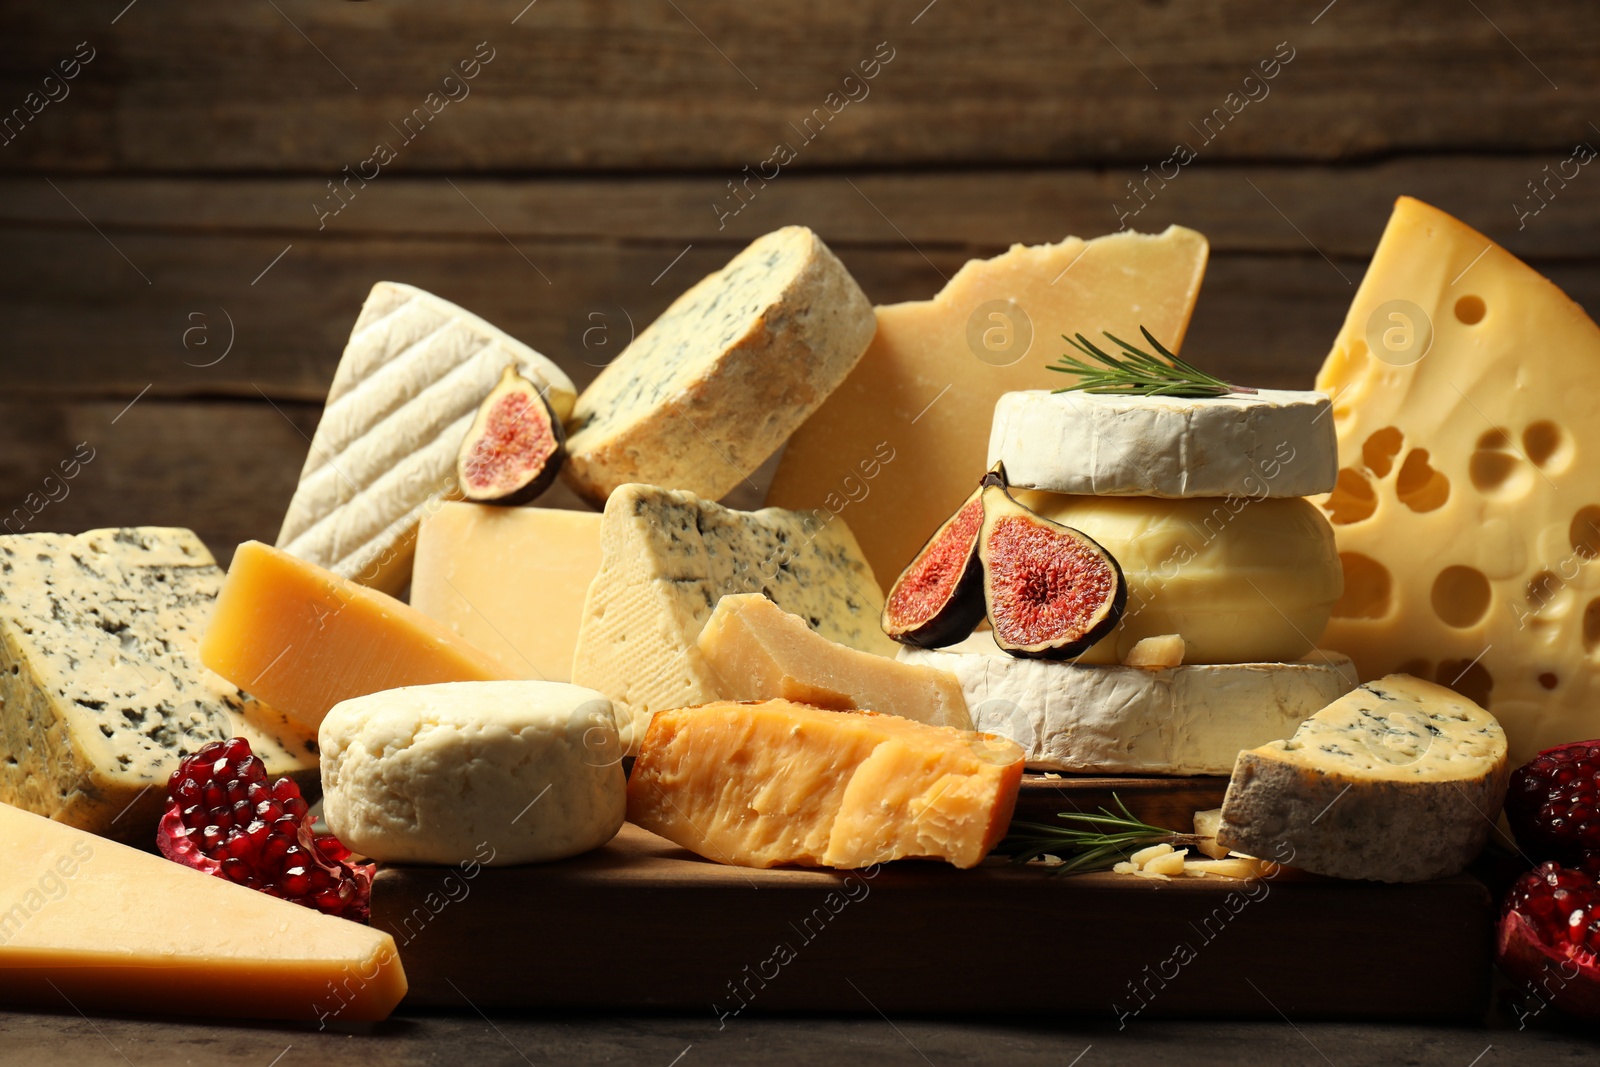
{"points": [[1461, 596], [1368, 589], [1468, 677], [1591, 626], [1419, 486], [1495, 468], [1379, 450], [1548, 594], [1585, 531], [1549, 680], [1470, 310], [1546, 445], [1352, 500]]}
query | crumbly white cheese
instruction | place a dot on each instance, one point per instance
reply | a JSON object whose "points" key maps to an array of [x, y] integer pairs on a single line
{"points": [[1132, 720], [410, 380], [1273, 443], [520, 771], [1398, 781], [717, 384], [101, 686]]}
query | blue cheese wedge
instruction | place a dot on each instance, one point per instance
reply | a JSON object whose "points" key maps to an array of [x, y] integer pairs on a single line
{"points": [[1397, 781], [717, 384], [410, 380], [101, 685], [667, 557]]}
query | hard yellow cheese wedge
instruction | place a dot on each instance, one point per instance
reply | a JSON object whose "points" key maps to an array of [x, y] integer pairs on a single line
{"points": [[89, 924]]}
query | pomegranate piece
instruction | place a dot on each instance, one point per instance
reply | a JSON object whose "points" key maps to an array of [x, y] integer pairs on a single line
{"points": [[938, 598], [223, 817], [1553, 805], [1549, 938]]}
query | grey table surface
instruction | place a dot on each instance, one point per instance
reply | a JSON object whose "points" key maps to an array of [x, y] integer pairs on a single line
{"points": [[690, 1041]]}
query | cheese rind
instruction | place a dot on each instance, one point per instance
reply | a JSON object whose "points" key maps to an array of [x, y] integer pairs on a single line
{"points": [[758, 651], [1467, 401], [1273, 443], [109, 928], [717, 384], [667, 557], [1398, 781], [304, 638], [521, 771], [762, 784], [900, 444], [384, 452], [1106, 719], [102, 688], [509, 580]]}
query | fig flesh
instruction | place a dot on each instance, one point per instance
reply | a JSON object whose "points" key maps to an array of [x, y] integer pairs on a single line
{"points": [[513, 448], [1051, 592], [938, 598]]}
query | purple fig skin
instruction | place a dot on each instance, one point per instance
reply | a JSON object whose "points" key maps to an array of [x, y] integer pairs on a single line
{"points": [[542, 479], [963, 608]]}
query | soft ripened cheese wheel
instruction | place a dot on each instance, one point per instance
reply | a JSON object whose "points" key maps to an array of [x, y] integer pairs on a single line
{"points": [[519, 771], [303, 638], [758, 651], [1241, 580], [667, 557], [509, 580], [102, 689], [716, 385], [1272, 443], [768, 783], [107, 928], [1467, 401], [900, 444], [1135, 720], [410, 380], [1398, 781]]}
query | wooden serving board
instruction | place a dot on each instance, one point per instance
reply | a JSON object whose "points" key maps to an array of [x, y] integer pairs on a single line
{"points": [[641, 923]]}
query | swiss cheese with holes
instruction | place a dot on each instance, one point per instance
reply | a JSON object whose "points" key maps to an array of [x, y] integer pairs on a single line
{"points": [[1466, 396]]}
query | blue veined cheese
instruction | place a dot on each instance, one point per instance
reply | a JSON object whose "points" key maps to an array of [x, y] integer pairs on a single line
{"points": [[667, 557], [101, 685], [717, 384], [410, 380], [1397, 781]]}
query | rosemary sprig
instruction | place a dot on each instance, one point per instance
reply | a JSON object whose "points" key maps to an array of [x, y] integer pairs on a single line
{"points": [[1137, 372], [1090, 842]]}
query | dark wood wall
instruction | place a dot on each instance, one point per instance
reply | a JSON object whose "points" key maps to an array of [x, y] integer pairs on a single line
{"points": [[169, 230]]}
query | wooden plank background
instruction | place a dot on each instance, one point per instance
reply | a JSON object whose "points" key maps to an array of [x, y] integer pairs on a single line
{"points": [[170, 239]]}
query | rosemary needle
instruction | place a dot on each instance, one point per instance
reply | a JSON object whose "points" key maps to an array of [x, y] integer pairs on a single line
{"points": [[1087, 842], [1136, 372]]}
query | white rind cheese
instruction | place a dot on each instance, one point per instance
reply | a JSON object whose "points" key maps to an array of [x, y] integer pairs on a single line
{"points": [[1398, 781], [101, 686], [717, 384], [520, 772], [667, 557], [408, 385], [1134, 720], [1273, 443]]}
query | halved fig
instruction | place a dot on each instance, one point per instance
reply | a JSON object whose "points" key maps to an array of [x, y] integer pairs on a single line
{"points": [[1051, 591], [938, 598], [514, 446]]}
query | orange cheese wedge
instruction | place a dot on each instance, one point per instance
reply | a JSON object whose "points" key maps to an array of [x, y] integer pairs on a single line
{"points": [[89, 924], [301, 638], [771, 782]]}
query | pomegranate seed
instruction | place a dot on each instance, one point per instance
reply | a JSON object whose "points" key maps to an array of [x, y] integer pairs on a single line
{"points": [[1553, 803]]}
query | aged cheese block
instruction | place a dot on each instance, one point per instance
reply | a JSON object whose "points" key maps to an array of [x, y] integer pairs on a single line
{"points": [[770, 783], [1242, 580], [1135, 720], [103, 927], [491, 772], [901, 443], [1398, 781], [1467, 401], [758, 651], [410, 380], [102, 689], [667, 557], [303, 638], [1272, 443], [509, 580], [717, 384]]}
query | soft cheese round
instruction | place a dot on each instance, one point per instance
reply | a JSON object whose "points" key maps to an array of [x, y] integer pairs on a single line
{"points": [[1131, 720], [513, 771], [1272, 443]]}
